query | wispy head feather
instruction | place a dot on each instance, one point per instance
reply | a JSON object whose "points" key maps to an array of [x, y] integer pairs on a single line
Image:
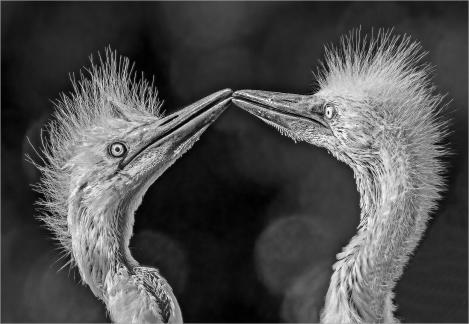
{"points": [[381, 58], [384, 76]]}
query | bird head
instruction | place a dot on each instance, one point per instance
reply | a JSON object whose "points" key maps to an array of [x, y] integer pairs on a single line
{"points": [[371, 93], [126, 149], [108, 142]]}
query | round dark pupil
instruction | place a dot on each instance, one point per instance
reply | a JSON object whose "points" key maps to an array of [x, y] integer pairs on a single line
{"points": [[118, 149]]}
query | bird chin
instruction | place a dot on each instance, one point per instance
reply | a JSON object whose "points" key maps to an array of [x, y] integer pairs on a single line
{"points": [[283, 130]]}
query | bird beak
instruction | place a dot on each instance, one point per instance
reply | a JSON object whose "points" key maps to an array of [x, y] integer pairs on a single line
{"points": [[177, 129], [283, 109], [181, 125]]}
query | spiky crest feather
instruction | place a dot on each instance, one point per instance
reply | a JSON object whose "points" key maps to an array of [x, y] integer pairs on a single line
{"points": [[103, 87]]}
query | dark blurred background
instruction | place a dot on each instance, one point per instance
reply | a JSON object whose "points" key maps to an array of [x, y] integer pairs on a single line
{"points": [[246, 225]]}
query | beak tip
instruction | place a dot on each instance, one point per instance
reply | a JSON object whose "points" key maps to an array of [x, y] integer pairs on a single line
{"points": [[226, 92], [240, 93], [236, 101]]}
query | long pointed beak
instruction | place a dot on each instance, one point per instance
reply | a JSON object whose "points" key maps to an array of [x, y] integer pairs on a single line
{"points": [[180, 125], [282, 109], [187, 123]]}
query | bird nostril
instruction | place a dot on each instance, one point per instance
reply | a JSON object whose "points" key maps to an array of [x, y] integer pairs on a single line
{"points": [[169, 119]]}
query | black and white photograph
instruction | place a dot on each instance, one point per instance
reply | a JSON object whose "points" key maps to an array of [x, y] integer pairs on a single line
{"points": [[234, 162]]}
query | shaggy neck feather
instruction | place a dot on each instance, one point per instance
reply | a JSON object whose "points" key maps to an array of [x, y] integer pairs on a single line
{"points": [[99, 249], [391, 225], [100, 240]]}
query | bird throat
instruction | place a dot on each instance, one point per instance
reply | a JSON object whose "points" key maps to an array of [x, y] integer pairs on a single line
{"points": [[101, 230], [391, 225]]}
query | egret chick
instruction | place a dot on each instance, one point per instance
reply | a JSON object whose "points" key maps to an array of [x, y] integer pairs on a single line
{"points": [[107, 144], [377, 111]]}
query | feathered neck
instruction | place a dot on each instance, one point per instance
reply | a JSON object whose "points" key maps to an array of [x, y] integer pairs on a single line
{"points": [[99, 246], [396, 198], [100, 232]]}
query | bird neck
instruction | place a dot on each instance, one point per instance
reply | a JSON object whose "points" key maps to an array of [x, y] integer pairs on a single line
{"points": [[393, 217], [101, 230], [99, 245]]}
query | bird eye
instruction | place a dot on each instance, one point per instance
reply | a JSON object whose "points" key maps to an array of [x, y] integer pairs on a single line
{"points": [[117, 149], [329, 111]]}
